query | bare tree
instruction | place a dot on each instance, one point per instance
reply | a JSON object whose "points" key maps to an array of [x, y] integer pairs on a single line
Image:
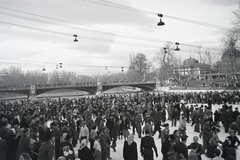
{"points": [[139, 66], [167, 61]]}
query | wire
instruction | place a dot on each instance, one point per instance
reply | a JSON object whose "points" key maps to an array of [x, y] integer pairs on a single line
{"points": [[113, 32], [53, 63], [107, 31], [120, 6], [85, 37]]}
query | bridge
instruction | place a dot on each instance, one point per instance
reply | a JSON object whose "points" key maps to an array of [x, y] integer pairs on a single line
{"points": [[90, 87]]}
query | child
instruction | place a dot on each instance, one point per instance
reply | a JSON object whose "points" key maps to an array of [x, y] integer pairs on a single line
{"points": [[97, 149]]}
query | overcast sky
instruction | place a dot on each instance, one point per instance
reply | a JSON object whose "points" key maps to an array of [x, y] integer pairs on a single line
{"points": [[39, 33]]}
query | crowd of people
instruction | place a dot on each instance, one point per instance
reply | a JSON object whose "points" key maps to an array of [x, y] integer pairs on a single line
{"points": [[94, 124]]}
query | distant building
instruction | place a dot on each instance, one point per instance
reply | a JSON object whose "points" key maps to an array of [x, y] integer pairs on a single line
{"points": [[191, 69], [228, 69]]}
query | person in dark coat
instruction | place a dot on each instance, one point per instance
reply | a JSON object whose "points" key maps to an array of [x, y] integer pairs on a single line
{"points": [[3, 148], [115, 131], [237, 122], [10, 140], [157, 127], [84, 153], [130, 149], [230, 145], [199, 146], [147, 143], [47, 149], [138, 124], [174, 117], [67, 148], [105, 142], [226, 119], [110, 124], [181, 147], [57, 134], [165, 132], [213, 143], [206, 134], [24, 145], [196, 119], [166, 147]]}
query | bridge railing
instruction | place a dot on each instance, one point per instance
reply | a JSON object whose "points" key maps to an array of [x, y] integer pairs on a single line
{"points": [[83, 84], [126, 82]]}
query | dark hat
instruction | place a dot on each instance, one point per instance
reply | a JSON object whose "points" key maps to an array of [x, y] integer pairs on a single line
{"points": [[48, 134], [104, 127], [232, 131], [25, 131], [68, 137], [33, 135], [184, 137], [171, 136], [166, 125]]}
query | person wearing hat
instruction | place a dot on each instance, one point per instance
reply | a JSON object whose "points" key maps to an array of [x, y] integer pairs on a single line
{"points": [[166, 147], [3, 147], [235, 113], [146, 145], [230, 145], [196, 120], [138, 122], [47, 149], [105, 142], [165, 132], [35, 145], [181, 148], [24, 144], [213, 142], [193, 153]]}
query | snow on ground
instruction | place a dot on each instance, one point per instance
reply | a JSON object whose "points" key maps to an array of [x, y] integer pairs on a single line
{"points": [[118, 155]]}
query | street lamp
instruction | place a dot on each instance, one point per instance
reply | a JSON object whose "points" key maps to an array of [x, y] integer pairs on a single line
{"points": [[75, 40], [177, 44], [160, 23]]}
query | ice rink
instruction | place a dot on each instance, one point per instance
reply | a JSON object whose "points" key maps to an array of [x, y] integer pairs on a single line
{"points": [[118, 155]]}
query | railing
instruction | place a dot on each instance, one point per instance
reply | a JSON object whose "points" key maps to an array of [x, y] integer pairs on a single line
{"points": [[83, 84]]}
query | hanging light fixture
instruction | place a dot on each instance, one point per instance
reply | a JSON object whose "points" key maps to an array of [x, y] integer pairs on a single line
{"points": [[160, 23], [60, 65], [122, 69], [165, 50], [75, 40], [177, 49]]}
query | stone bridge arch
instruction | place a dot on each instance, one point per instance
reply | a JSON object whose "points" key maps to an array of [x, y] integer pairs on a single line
{"points": [[89, 89], [145, 87]]}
